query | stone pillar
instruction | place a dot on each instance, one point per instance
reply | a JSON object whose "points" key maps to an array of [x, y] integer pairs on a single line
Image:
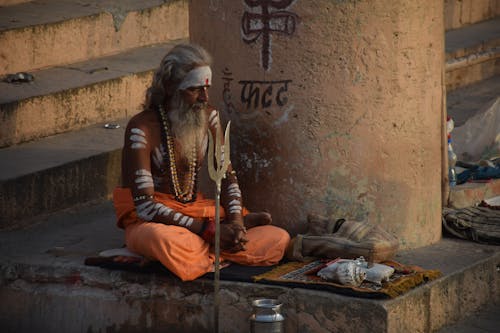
{"points": [[336, 107]]}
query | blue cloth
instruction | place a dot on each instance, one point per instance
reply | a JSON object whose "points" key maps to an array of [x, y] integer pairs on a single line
{"points": [[478, 173]]}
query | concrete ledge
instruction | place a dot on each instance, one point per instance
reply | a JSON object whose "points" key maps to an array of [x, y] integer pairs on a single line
{"points": [[68, 98], [58, 172], [44, 286], [42, 34], [470, 194]]}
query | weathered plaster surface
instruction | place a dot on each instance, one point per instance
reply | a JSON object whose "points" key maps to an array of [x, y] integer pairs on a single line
{"points": [[359, 134]]}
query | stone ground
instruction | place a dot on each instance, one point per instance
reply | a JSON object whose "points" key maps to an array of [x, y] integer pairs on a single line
{"points": [[485, 320], [59, 243]]}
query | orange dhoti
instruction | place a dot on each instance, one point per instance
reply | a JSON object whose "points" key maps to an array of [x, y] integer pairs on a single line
{"points": [[185, 253]]}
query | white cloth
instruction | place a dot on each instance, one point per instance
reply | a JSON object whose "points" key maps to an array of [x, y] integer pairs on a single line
{"points": [[479, 137], [123, 251]]}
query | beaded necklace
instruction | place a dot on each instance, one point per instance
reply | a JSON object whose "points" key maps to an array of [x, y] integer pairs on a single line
{"points": [[188, 194]]}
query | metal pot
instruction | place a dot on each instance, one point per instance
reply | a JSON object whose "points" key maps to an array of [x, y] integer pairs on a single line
{"points": [[266, 317]]}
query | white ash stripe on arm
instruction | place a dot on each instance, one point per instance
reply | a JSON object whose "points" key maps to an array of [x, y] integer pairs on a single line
{"points": [[148, 209], [138, 139], [235, 203], [233, 186], [186, 221], [234, 190], [234, 193], [138, 131], [235, 206], [213, 119], [235, 210], [144, 179], [164, 210], [183, 220]]}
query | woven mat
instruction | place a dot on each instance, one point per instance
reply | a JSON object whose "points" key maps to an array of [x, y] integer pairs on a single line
{"points": [[303, 275]]}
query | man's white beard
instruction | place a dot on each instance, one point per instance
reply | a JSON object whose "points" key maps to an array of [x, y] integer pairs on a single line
{"points": [[189, 124]]}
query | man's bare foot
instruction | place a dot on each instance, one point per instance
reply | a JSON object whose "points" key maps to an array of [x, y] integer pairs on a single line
{"points": [[255, 219]]}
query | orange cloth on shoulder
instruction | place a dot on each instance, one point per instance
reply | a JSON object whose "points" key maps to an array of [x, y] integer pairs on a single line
{"points": [[185, 253]]}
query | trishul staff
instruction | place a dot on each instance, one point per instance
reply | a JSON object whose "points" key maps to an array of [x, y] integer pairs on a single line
{"points": [[217, 173]]}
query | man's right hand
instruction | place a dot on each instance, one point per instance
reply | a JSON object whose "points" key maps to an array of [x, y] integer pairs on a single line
{"points": [[232, 237]]}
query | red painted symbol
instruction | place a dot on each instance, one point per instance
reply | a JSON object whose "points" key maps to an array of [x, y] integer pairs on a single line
{"points": [[273, 18]]}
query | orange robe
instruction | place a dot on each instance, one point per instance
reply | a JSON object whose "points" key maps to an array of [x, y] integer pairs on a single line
{"points": [[185, 253]]}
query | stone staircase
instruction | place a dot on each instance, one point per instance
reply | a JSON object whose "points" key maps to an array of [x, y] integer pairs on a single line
{"points": [[91, 62]]}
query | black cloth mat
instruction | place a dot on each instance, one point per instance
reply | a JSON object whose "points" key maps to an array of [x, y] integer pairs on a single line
{"points": [[233, 272]]}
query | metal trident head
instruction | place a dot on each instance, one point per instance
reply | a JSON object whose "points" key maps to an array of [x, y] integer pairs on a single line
{"points": [[218, 172]]}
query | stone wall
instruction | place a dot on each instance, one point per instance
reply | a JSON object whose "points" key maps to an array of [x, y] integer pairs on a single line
{"points": [[336, 107]]}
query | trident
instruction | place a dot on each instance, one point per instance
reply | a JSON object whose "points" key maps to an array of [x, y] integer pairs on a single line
{"points": [[217, 173]]}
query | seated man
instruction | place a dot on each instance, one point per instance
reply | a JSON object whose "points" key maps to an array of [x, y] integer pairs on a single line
{"points": [[164, 217]]}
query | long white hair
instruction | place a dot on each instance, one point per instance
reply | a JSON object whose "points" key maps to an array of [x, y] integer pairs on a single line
{"points": [[173, 68]]}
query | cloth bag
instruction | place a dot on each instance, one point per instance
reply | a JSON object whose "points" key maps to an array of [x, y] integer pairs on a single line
{"points": [[334, 238]]}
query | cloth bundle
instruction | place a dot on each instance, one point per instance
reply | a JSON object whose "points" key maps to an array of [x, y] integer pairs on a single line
{"points": [[479, 224], [334, 238]]}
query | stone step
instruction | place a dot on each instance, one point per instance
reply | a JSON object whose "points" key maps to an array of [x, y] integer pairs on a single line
{"points": [[40, 34], [67, 98], [45, 287], [460, 13], [472, 53], [485, 320], [5, 3], [58, 172]]}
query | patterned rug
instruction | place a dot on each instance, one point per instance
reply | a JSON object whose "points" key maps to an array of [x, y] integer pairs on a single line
{"points": [[303, 275]]}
